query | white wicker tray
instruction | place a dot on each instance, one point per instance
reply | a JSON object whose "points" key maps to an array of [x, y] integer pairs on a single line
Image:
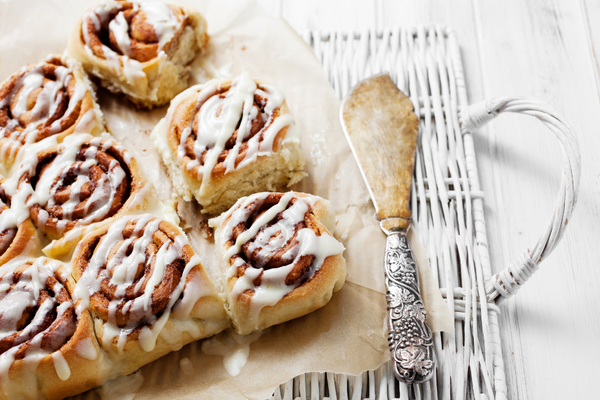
{"points": [[447, 205]]}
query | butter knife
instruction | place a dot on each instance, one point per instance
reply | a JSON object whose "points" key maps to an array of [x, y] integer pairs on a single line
{"points": [[382, 130]]}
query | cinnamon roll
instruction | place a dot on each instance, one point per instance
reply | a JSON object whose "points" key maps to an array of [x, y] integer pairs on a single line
{"points": [[227, 139], [82, 181], [17, 234], [47, 349], [146, 289], [278, 258], [140, 48], [50, 98]]}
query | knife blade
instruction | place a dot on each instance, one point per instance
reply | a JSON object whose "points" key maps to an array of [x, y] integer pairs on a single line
{"points": [[382, 130]]}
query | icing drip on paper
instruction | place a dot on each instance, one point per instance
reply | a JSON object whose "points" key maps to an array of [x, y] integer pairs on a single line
{"points": [[186, 366], [220, 114], [115, 262], [265, 241], [121, 388], [234, 349]]}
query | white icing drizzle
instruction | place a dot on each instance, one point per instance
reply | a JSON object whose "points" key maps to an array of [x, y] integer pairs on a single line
{"points": [[162, 18], [269, 240], [62, 367], [87, 123], [234, 349], [120, 29], [217, 119], [86, 349], [120, 270], [240, 215], [24, 294], [174, 336]]}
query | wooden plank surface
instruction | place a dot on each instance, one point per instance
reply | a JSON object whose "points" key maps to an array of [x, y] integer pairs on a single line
{"points": [[549, 51]]}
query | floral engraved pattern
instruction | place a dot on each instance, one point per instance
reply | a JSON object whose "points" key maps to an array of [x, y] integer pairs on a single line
{"points": [[415, 360], [394, 296], [407, 264], [407, 297], [394, 242], [394, 261], [415, 310], [410, 338]]}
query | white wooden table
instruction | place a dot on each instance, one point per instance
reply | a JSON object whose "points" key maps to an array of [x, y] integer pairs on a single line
{"points": [[545, 50]]}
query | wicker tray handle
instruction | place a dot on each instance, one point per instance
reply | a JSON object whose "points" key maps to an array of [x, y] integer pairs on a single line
{"points": [[507, 282]]}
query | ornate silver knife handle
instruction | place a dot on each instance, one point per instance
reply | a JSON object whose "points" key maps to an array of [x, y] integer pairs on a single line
{"points": [[409, 337]]}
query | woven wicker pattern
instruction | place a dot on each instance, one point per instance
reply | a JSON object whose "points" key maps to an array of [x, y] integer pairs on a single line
{"points": [[447, 205]]}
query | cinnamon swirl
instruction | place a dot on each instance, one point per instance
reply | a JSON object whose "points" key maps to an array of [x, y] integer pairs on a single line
{"points": [[227, 139], [279, 260], [82, 181], [51, 98], [146, 289], [47, 349], [140, 48]]}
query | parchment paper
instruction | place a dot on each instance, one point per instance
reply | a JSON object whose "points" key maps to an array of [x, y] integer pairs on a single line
{"points": [[349, 334]]}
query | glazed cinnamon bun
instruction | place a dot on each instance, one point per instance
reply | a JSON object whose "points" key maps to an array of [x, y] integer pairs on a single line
{"points": [[227, 139], [278, 258], [51, 98], [82, 181], [47, 348], [140, 48], [146, 289]]}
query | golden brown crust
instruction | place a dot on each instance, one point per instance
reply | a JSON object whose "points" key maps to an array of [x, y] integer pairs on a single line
{"points": [[312, 288]]}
